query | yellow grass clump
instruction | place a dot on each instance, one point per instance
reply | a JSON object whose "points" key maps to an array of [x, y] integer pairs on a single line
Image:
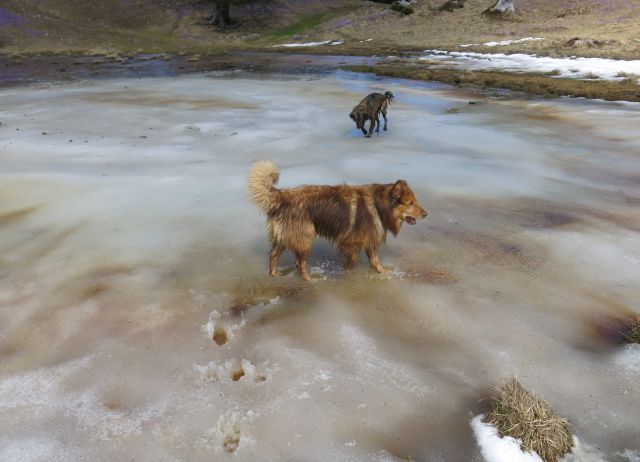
{"points": [[518, 413], [633, 335]]}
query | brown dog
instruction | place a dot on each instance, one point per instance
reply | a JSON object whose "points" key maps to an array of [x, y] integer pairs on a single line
{"points": [[354, 217]]}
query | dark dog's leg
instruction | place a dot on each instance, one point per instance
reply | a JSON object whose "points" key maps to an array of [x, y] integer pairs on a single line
{"points": [[374, 262], [364, 132], [276, 251], [373, 122], [384, 114], [378, 123]]}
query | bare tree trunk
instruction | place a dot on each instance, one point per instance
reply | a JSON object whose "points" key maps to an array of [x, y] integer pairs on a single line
{"points": [[501, 7], [220, 14]]}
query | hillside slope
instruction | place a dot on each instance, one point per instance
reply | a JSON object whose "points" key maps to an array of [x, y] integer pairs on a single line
{"points": [[78, 26]]}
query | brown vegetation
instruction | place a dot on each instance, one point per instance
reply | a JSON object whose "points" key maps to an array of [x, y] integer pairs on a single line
{"points": [[518, 413], [633, 334]]}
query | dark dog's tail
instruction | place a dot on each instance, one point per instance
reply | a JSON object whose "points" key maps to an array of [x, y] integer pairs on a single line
{"points": [[262, 178], [388, 96]]}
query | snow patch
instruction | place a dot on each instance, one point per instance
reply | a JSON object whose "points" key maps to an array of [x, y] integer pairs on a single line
{"points": [[573, 67], [632, 455], [34, 450], [43, 390], [503, 42], [311, 44], [510, 42], [496, 449]]}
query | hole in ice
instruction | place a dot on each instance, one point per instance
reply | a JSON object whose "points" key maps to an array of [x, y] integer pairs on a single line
{"points": [[220, 335], [232, 441], [237, 375]]}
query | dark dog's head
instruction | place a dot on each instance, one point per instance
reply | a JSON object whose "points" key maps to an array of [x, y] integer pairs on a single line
{"points": [[357, 117], [404, 206], [388, 96]]}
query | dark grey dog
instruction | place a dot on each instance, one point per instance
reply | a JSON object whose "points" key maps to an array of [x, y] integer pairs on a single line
{"points": [[370, 108]]}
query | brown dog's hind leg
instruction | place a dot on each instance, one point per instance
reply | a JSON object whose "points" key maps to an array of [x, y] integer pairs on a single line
{"points": [[300, 244], [374, 262], [276, 251], [352, 256]]}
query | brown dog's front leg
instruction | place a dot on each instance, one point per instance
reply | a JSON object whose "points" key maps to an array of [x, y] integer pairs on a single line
{"points": [[374, 262], [301, 263]]}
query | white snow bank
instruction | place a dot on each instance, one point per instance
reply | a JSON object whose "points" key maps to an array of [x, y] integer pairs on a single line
{"points": [[509, 42], [507, 449], [579, 68], [496, 449], [311, 44], [503, 42]]}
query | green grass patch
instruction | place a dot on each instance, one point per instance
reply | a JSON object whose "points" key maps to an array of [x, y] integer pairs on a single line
{"points": [[406, 10], [301, 26]]}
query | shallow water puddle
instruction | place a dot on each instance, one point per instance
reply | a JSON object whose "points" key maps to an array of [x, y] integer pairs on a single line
{"points": [[137, 319]]}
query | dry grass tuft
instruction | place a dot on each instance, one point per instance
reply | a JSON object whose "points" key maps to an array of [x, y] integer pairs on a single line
{"points": [[519, 413], [633, 335]]}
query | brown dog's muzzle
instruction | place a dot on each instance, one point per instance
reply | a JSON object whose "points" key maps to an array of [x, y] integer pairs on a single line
{"points": [[416, 213]]}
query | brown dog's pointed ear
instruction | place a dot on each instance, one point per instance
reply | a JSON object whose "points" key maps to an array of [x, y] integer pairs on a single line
{"points": [[398, 188]]}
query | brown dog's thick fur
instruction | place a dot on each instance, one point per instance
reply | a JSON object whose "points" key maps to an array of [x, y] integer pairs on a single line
{"points": [[370, 108], [354, 217]]}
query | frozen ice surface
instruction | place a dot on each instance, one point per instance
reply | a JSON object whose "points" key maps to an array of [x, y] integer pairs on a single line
{"points": [[137, 320]]}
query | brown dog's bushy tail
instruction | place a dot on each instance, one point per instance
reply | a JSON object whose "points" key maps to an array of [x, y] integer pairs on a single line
{"points": [[262, 178]]}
